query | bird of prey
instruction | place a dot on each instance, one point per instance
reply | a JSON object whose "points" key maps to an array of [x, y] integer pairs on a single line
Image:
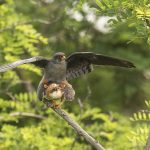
{"points": [[59, 70]]}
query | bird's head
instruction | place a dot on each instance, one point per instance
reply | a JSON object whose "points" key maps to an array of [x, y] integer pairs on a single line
{"points": [[59, 57]]}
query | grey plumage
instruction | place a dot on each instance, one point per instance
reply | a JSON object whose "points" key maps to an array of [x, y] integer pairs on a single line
{"points": [[59, 69]]}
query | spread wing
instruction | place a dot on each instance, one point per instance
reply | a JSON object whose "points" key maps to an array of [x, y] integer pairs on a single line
{"points": [[81, 62], [38, 61]]}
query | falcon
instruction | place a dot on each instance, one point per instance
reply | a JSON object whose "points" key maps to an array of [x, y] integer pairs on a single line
{"points": [[59, 70]]}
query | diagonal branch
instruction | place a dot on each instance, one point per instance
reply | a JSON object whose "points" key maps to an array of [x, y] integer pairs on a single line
{"points": [[75, 125]]}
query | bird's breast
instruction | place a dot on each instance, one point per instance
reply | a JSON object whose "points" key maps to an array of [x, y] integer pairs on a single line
{"points": [[55, 72]]}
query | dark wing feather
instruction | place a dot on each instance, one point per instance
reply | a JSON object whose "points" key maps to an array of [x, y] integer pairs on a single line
{"points": [[81, 62], [38, 61]]}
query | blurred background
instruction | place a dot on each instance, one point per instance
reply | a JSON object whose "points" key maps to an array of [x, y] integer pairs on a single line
{"points": [[105, 99]]}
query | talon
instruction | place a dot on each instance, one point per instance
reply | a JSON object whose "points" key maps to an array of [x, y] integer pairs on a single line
{"points": [[58, 106], [55, 105], [45, 86]]}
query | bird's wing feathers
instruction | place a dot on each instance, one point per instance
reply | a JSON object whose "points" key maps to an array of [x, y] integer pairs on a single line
{"points": [[38, 61], [77, 64], [80, 63]]}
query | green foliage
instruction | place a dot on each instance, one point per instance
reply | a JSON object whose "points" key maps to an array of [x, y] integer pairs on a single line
{"points": [[141, 132], [30, 28], [17, 36], [51, 132], [108, 128], [135, 14]]}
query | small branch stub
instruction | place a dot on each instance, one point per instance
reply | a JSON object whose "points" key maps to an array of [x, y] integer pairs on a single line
{"points": [[74, 125]]}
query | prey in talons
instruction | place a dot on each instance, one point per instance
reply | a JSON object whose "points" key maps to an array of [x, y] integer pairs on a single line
{"points": [[55, 92]]}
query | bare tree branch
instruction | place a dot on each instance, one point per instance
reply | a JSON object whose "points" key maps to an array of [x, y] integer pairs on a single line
{"points": [[74, 125], [24, 114]]}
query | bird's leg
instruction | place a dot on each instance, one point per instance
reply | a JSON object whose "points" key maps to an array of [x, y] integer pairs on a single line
{"points": [[55, 105]]}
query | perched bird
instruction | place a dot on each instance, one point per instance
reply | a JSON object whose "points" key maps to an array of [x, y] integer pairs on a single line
{"points": [[59, 69]]}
